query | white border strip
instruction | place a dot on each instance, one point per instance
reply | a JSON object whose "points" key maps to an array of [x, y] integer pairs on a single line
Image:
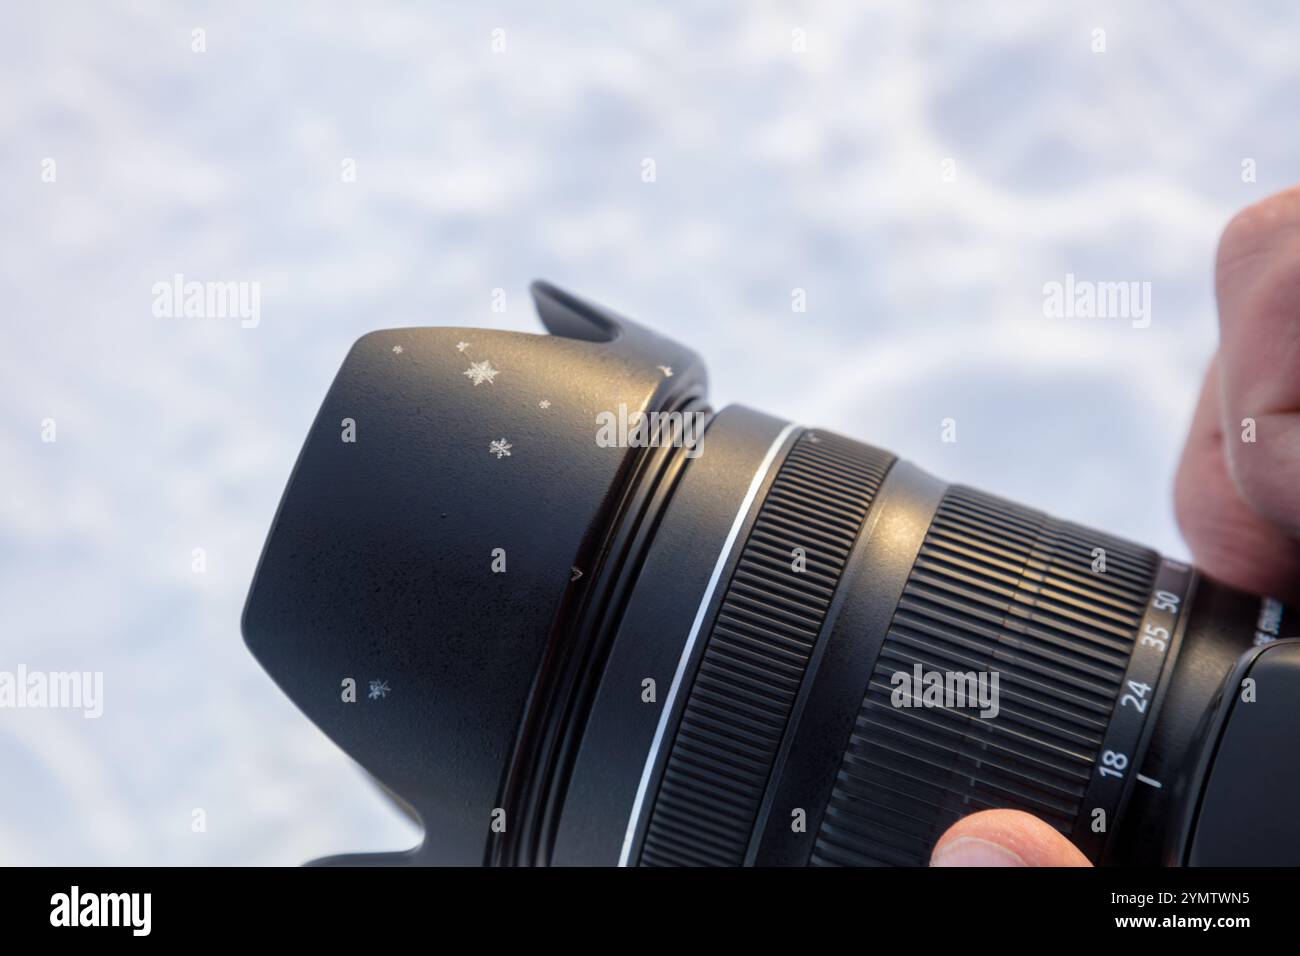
{"points": [[638, 804]]}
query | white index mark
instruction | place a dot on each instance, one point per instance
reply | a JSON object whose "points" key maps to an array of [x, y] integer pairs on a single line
{"points": [[1149, 782]]}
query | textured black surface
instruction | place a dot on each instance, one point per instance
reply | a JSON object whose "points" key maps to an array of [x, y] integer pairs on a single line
{"points": [[620, 730], [996, 587], [753, 663]]}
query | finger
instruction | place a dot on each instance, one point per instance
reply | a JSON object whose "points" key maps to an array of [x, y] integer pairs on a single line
{"points": [[1229, 539], [1257, 281], [1004, 838]]}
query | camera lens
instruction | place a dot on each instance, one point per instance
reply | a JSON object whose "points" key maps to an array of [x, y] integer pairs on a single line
{"points": [[791, 738], [614, 627]]}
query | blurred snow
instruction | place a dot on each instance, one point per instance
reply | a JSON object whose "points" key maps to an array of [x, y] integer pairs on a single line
{"points": [[776, 170]]}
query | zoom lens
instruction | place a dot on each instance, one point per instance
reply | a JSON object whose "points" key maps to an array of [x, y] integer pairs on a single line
{"points": [[613, 627], [808, 691]]}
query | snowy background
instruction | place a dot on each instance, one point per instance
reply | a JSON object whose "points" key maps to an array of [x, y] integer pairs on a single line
{"points": [[776, 170]]}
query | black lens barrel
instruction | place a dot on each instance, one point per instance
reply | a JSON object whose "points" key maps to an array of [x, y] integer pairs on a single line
{"points": [[755, 644], [1082, 630]]}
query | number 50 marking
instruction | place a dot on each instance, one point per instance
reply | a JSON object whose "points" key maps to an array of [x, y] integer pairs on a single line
{"points": [[1166, 601]]}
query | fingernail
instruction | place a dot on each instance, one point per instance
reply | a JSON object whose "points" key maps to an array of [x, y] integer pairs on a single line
{"points": [[972, 851]]}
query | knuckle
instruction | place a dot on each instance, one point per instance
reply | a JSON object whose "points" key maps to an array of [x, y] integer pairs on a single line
{"points": [[1265, 477]]}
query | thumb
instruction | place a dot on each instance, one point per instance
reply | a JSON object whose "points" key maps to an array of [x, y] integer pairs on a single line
{"points": [[1004, 838]]}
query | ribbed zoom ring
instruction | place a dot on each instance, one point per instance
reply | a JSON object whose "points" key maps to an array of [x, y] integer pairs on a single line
{"points": [[754, 661], [995, 587]]}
